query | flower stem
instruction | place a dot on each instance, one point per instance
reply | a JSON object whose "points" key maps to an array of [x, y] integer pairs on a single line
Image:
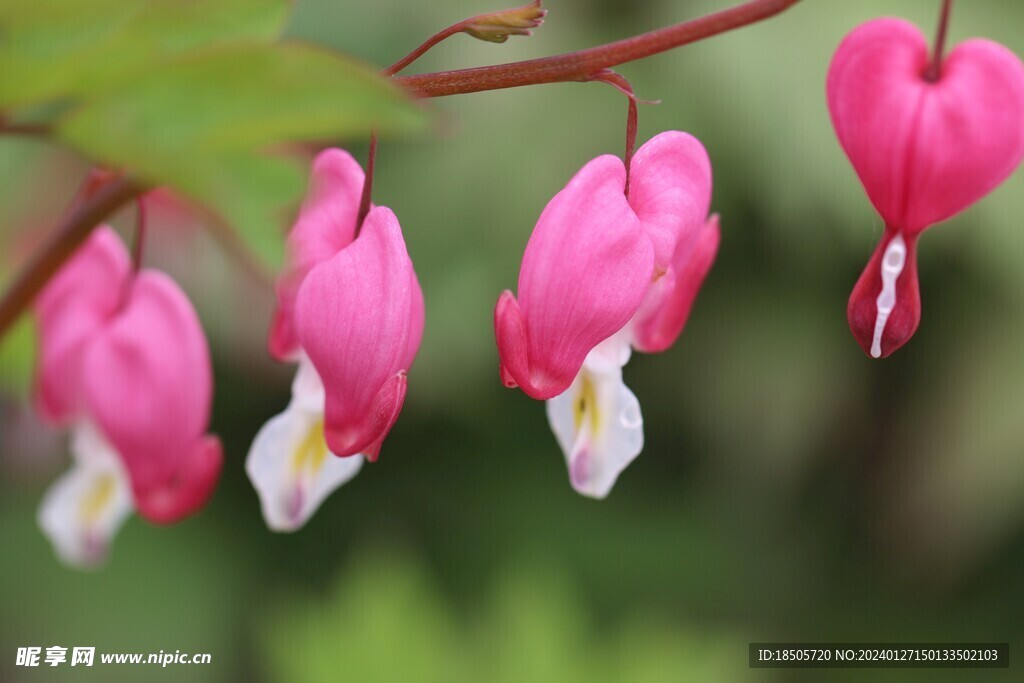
{"points": [[26, 129], [495, 27], [76, 228], [630, 137], [422, 49], [620, 83], [935, 66], [580, 66], [364, 200]]}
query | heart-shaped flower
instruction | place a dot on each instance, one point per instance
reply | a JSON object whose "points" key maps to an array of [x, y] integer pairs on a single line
{"points": [[124, 364], [924, 149], [607, 271]]}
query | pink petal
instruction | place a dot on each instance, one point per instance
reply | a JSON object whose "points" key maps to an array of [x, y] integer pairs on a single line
{"points": [[862, 310], [147, 383], [664, 312], [416, 324], [187, 493], [325, 226], [925, 151], [282, 343], [513, 344], [670, 190], [359, 317], [74, 305], [383, 414], [586, 269]]}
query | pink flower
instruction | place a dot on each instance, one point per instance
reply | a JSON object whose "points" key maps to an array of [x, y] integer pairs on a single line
{"points": [[593, 258], [148, 384], [124, 363], [350, 312], [604, 272], [923, 150], [359, 317]]}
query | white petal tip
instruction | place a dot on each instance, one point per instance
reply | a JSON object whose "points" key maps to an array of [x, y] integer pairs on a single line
{"points": [[291, 468], [599, 427], [86, 506]]}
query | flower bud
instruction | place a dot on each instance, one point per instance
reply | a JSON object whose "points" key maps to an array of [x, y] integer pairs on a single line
{"points": [[496, 27]]}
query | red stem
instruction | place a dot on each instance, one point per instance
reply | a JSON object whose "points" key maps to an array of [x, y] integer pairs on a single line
{"points": [[935, 66], [422, 49], [26, 129], [76, 228], [579, 66], [631, 117], [515, 20], [620, 83], [364, 199]]}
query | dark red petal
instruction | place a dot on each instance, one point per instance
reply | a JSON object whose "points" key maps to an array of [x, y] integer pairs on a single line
{"points": [[862, 310]]}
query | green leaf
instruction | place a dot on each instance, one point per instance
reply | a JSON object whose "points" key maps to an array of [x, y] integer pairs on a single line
{"points": [[204, 123], [54, 49]]}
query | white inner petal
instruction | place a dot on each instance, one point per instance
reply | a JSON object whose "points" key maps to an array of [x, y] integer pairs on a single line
{"points": [[307, 388], [85, 507], [599, 427], [893, 260], [611, 354], [289, 463]]}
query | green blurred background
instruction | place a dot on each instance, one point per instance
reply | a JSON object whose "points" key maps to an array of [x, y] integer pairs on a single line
{"points": [[790, 488]]}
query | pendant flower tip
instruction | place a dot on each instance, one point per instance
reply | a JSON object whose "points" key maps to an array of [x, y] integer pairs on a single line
{"points": [[290, 465], [84, 509], [598, 425]]}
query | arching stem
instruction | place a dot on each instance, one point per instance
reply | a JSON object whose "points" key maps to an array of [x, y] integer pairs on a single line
{"points": [[578, 66], [422, 49], [620, 83], [495, 27], [62, 244]]}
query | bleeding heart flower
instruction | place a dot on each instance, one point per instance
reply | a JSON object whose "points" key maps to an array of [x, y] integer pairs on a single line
{"points": [[604, 272], [585, 272], [350, 311], [148, 385], [123, 361], [924, 149]]}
